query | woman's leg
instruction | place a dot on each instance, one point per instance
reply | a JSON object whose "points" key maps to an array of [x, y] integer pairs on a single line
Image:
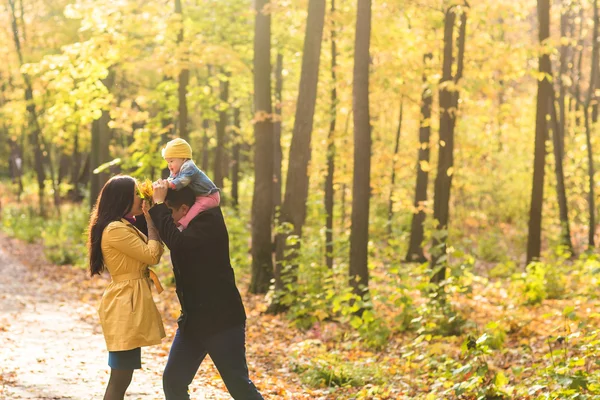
{"points": [[118, 383]]}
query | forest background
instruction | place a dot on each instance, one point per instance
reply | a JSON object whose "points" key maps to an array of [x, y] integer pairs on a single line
{"points": [[412, 180]]}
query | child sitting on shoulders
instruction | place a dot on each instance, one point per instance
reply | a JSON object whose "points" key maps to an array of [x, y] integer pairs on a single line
{"points": [[178, 154]]}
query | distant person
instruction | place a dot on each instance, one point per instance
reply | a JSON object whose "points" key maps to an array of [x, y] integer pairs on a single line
{"points": [[184, 173], [212, 320], [128, 315]]}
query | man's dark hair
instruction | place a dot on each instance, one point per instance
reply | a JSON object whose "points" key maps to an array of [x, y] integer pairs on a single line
{"points": [[177, 198]]}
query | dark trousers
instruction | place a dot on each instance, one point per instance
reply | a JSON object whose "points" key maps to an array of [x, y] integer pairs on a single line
{"points": [[227, 349]]}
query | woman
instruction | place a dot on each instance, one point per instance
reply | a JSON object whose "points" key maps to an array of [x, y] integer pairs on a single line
{"points": [[127, 311]]}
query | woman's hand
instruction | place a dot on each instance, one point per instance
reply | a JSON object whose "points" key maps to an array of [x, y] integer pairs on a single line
{"points": [[145, 208], [160, 187]]}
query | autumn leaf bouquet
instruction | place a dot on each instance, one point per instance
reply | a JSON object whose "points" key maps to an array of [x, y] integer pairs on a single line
{"points": [[146, 191]]}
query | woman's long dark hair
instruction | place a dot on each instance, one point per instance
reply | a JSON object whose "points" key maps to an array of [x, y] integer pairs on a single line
{"points": [[114, 202]]}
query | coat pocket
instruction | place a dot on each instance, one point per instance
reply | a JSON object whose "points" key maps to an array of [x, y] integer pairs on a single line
{"points": [[134, 298]]}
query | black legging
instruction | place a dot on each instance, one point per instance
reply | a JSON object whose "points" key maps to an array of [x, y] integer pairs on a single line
{"points": [[118, 383]]}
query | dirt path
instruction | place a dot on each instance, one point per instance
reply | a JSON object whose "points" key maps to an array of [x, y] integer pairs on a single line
{"points": [[51, 346]]}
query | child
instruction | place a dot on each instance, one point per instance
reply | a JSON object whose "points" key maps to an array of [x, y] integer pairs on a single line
{"points": [[178, 154]]}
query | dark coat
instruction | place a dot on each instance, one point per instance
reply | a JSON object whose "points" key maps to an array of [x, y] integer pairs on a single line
{"points": [[204, 279]]}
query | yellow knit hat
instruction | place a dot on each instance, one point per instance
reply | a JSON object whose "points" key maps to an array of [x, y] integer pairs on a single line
{"points": [[177, 148]]}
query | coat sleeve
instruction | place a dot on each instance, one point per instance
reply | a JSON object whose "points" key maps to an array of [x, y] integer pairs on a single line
{"points": [[121, 238], [172, 236]]}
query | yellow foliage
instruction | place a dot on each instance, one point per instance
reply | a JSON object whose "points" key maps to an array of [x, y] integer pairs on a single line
{"points": [[145, 189]]}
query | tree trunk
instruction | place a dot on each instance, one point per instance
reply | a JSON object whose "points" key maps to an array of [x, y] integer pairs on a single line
{"points": [[393, 180], [277, 153], [329, 189], [344, 188], [16, 166], [74, 192], [262, 207], [184, 77], [565, 236], [22, 20], [84, 176], [76, 158], [99, 149], [562, 72], [218, 173], [53, 178], [235, 170], [361, 189], [591, 201], [417, 231], [448, 109], [541, 129], [588, 103], [205, 143], [33, 125], [293, 209], [578, 71], [65, 165], [15, 158]]}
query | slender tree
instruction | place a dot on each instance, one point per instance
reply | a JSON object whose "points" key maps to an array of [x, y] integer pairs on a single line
{"points": [[184, 77], [33, 125], [293, 209], [99, 150], [393, 179], [76, 169], [565, 238], [277, 154], [588, 131], [16, 166], [541, 131], [448, 99], [235, 169], [329, 189], [417, 231], [15, 157], [218, 173], [262, 262], [205, 144], [565, 50], [361, 189]]}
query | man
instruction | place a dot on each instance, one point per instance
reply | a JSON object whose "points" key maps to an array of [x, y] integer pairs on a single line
{"points": [[212, 318]]}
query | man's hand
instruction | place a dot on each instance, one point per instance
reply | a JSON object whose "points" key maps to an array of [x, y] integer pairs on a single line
{"points": [[160, 188]]}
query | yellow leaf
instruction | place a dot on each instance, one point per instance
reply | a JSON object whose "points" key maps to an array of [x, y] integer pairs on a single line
{"points": [[450, 171], [320, 314], [424, 165]]}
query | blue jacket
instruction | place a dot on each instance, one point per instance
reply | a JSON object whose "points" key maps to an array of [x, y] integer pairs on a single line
{"points": [[190, 175]]}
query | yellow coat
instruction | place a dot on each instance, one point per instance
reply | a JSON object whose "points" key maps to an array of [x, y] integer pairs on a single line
{"points": [[127, 311]]}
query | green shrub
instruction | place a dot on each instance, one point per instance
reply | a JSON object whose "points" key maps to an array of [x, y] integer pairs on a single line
{"points": [[503, 269], [22, 222], [491, 247], [495, 335], [542, 281], [64, 237], [329, 370]]}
